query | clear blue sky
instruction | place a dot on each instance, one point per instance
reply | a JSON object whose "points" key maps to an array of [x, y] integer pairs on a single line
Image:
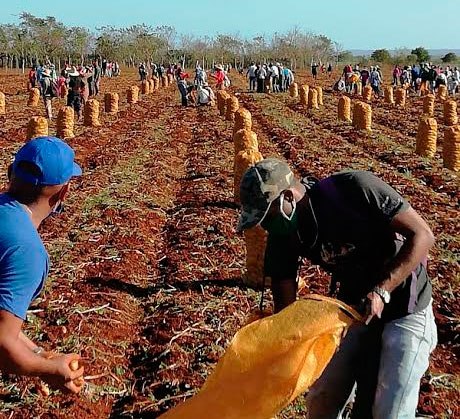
{"points": [[358, 25]]}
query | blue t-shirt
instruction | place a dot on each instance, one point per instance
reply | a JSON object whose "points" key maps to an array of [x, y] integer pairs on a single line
{"points": [[24, 261]]}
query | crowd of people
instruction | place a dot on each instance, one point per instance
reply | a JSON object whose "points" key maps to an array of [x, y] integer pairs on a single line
{"points": [[265, 78], [418, 79], [110, 68], [80, 83], [198, 92]]}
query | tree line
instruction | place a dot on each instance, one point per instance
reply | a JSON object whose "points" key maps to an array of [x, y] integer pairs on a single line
{"points": [[416, 55], [36, 39]]}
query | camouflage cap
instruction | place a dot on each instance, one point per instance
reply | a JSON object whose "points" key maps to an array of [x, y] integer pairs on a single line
{"points": [[260, 186]]}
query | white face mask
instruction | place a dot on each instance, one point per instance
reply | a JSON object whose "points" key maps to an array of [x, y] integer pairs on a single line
{"points": [[293, 204]]}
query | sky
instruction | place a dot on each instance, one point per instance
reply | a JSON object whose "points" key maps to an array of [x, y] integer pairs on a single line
{"points": [[355, 24]]}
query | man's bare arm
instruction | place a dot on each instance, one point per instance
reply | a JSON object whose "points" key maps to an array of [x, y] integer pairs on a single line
{"points": [[419, 240]]}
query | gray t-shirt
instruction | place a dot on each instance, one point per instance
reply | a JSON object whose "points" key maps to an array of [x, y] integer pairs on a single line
{"points": [[346, 231]]}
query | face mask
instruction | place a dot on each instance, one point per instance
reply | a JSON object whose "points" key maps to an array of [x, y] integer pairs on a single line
{"points": [[56, 210], [282, 224]]}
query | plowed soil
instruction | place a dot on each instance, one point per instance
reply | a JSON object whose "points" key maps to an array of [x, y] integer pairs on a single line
{"points": [[146, 264]]}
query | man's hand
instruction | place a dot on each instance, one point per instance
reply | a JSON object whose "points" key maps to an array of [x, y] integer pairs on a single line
{"points": [[63, 378], [375, 306]]}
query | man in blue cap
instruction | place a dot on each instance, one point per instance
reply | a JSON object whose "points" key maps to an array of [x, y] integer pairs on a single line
{"points": [[39, 183], [374, 245]]}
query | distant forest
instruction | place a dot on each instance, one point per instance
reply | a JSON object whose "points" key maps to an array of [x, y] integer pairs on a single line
{"points": [[35, 39]]}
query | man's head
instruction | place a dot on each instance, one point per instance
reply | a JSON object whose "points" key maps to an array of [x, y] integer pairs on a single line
{"points": [[41, 172], [268, 188]]}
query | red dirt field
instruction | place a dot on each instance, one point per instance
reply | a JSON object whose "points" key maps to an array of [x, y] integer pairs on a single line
{"points": [[146, 264]]}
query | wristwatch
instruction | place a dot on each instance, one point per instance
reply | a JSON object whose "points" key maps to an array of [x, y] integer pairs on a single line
{"points": [[383, 294]]}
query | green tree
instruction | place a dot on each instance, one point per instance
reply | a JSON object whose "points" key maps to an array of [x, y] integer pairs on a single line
{"points": [[422, 54], [381, 55], [450, 57]]}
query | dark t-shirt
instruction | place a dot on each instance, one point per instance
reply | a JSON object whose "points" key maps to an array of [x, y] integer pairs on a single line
{"points": [[345, 228]]}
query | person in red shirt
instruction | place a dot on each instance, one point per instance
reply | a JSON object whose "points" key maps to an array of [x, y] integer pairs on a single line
{"points": [[220, 77], [32, 77]]}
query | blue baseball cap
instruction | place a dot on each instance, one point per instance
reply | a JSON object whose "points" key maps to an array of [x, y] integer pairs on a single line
{"points": [[52, 156]]}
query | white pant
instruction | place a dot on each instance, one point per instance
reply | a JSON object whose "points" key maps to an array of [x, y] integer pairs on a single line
{"points": [[405, 349]]}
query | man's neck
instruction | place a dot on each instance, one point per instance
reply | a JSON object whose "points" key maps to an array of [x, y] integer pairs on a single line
{"points": [[36, 213]]}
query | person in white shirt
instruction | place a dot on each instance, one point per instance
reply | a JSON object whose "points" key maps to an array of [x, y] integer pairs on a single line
{"points": [[274, 78], [261, 75], [251, 74], [453, 81], [205, 95]]}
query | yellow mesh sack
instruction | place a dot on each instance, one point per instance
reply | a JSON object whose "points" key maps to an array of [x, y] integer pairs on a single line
{"points": [[91, 115], [164, 81], [243, 120], [424, 88], [151, 85], [65, 122], [388, 95], [451, 148], [64, 91], [243, 160], [362, 116], [232, 106], [156, 83], [111, 103], [367, 93], [145, 87], [2, 104], [303, 94], [271, 361], [450, 112], [313, 99], [442, 92], [222, 97], [132, 95], [426, 137], [319, 89], [37, 127], [256, 240], [245, 139], [170, 79], [293, 90], [344, 109], [428, 105], [400, 97], [34, 97]]}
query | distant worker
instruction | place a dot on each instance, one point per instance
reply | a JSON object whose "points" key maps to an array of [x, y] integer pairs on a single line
{"points": [[182, 85], [74, 93], [219, 76], [375, 80], [314, 70], [251, 74], [261, 76], [365, 76], [48, 91], [205, 95], [375, 246], [32, 77], [396, 74], [38, 185], [274, 78]]}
